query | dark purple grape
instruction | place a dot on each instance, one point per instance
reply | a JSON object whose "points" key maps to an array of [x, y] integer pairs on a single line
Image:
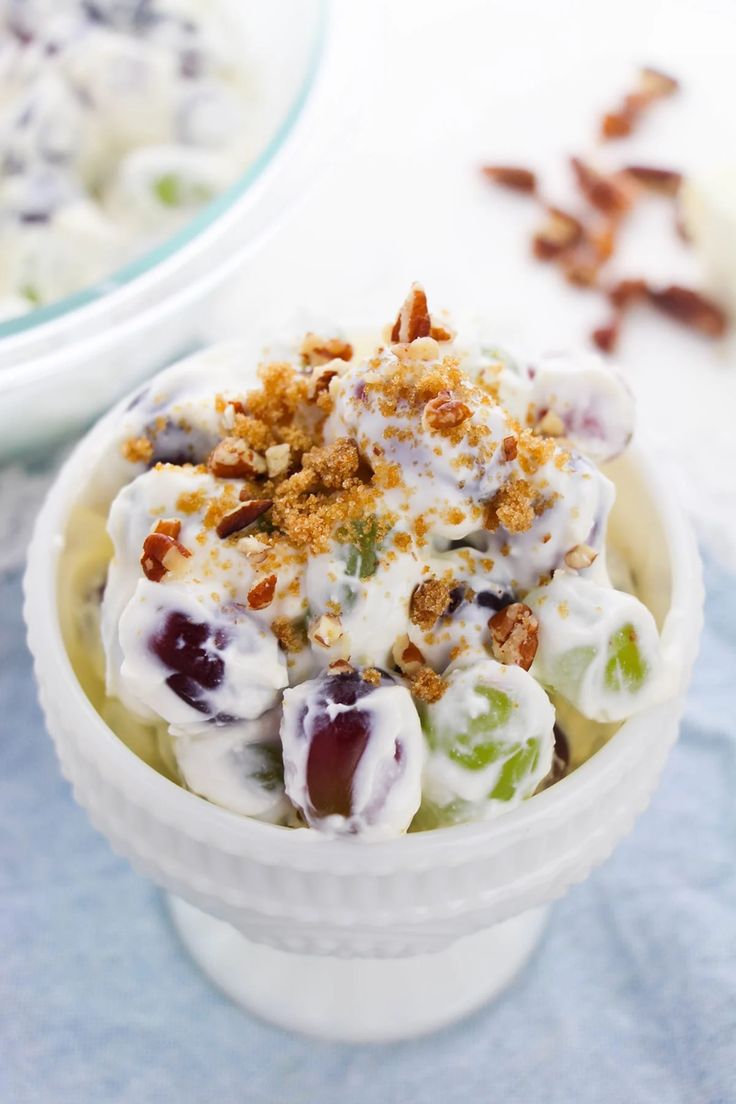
{"points": [[175, 445], [457, 597], [494, 597], [560, 760], [337, 745], [190, 650]]}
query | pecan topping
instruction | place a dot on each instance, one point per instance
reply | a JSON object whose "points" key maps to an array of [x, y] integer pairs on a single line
{"points": [[511, 176], [509, 448], [240, 517], [413, 319], [232, 458], [652, 85], [278, 459], [659, 180], [407, 657], [441, 333], [428, 602], [514, 635], [255, 550], [656, 84], [606, 337], [691, 308], [626, 292], [443, 413], [162, 552], [261, 595], [171, 527], [340, 667], [607, 193], [326, 630], [559, 232], [318, 350], [580, 557], [322, 376]]}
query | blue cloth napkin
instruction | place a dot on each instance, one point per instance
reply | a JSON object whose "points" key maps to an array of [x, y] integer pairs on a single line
{"points": [[631, 997]]}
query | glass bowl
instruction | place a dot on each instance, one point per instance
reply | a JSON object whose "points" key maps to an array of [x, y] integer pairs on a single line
{"points": [[63, 363]]}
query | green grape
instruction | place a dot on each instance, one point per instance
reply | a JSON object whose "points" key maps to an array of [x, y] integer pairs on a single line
{"points": [[514, 771], [571, 667], [626, 669], [172, 191], [467, 750], [270, 771]]}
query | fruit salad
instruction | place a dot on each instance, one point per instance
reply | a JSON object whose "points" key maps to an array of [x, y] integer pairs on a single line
{"points": [[119, 119], [356, 594]]}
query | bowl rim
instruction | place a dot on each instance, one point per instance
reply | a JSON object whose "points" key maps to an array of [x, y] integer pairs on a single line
{"points": [[205, 822], [116, 283]]}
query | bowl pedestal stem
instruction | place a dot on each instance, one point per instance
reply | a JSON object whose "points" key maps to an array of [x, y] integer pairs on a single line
{"points": [[359, 1000]]}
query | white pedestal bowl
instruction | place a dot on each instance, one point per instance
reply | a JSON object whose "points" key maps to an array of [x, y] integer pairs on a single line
{"points": [[370, 941]]}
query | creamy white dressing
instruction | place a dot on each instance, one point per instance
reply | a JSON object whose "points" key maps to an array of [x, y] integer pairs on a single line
{"points": [[356, 598]]}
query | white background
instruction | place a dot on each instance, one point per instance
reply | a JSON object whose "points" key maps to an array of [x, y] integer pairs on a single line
{"points": [[437, 87]]}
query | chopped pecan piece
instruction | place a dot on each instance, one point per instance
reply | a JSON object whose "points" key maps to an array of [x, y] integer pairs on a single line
{"points": [[441, 333], [581, 264], [617, 124], [321, 378], [326, 630], [580, 557], [340, 667], [428, 602], [407, 657], [514, 635], [171, 527], [253, 548], [443, 413], [606, 337], [162, 553], [243, 515], [606, 193], [232, 458], [691, 308], [511, 176], [626, 292], [261, 594], [319, 350], [278, 459], [559, 232], [660, 180], [413, 319], [654, 84]]}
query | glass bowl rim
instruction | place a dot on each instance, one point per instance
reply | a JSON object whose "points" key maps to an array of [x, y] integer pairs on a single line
{"points": [[152, 257]]}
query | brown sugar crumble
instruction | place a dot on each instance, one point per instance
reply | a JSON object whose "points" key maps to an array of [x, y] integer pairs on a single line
{"points": [[427, 685], [138, 450], [428, 602], [512, 506], [291, 635]]}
